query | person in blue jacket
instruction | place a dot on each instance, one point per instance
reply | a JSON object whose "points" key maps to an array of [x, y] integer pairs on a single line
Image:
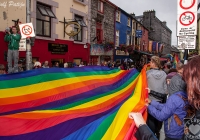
{"points": [[172, 113]]}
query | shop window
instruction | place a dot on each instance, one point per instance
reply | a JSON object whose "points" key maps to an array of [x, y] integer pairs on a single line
{"points": [[100, 6], [118, 16], [117, 38], [129, 22], [99, 33], [127, 40], [77, 61], [79, 36], [43, 20]]}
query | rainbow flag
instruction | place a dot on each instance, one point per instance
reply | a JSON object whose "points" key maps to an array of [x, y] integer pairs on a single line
{"points": [[89, 103], [176, 60]]}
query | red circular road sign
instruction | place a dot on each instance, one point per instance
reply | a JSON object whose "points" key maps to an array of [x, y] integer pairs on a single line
{"points": [[181, 5], [184, 17], [26, 30]]}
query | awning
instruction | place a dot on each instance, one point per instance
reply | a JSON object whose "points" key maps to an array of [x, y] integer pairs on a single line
{"points": [[145, 53], [46, 11]]}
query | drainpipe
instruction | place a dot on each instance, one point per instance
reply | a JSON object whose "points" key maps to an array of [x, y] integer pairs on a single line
{"points": [[28, 45], [114, 32]]}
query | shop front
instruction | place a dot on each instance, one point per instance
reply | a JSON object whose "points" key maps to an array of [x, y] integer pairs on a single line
{"points": [[61, 51], [120, 55], [98, 55]]}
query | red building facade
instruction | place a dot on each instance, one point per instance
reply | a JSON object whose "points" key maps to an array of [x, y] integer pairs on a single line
{"points": [[41, 53]]}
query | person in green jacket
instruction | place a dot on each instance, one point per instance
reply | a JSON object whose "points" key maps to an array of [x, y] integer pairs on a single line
{"points": [[13, 49]]}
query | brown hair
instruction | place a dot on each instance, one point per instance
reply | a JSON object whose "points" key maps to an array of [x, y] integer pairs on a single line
{"points": [[179, 65], [156, 61], [191, 76]]}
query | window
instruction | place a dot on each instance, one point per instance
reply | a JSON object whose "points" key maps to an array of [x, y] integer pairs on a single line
{"points": [[99, 33], [100, 6], [117, 38], [127, 39], [79, 36], [118, 16], [129, 22], [134, 25], [43, 20]]}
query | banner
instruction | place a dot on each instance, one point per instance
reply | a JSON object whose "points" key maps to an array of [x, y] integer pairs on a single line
{"points": [[150, 46], [85, 103], [154, 46]]}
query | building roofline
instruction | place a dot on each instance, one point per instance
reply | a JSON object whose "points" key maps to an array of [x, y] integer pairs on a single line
{"points": [[112, 4]]}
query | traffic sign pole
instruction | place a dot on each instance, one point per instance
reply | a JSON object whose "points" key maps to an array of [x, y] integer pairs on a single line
{"points": [[28, 46]]}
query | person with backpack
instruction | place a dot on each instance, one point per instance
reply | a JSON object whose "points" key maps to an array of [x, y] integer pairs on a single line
{"points": [[172, 113]]}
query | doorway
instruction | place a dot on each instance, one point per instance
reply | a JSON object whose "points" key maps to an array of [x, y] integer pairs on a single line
{"points": [[94, 60], [60, 61]]}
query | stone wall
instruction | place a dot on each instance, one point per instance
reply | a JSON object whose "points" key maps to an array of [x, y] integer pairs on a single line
{"points": [[157, 30], [106, 19]]}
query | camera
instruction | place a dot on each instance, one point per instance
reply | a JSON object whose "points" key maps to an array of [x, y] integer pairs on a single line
{"points": [[8, 29]]}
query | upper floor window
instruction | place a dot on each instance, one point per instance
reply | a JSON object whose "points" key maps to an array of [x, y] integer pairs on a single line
{"points": [[128, 39], [134, 25], [43, 20], [79, 36], [118, 16], [100, 6], [99, 33], [129, 22], [117, 38]]}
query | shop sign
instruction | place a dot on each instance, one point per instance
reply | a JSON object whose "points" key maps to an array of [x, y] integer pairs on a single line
{"points": [[22, 45], [97, 49], [186, 42], [57, 48], [138, 33]]}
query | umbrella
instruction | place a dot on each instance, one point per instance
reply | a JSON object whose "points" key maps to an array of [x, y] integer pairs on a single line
{"points": [[128, 60]]}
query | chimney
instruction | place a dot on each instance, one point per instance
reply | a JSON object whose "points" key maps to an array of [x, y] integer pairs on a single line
{"points": [[164, 23], [132, 14]]}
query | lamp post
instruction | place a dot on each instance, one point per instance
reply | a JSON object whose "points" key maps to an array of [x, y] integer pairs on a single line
{"points": [[28, 42]]}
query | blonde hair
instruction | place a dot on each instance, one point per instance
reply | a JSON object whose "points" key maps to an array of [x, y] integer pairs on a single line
{"points": [[156, 61]]}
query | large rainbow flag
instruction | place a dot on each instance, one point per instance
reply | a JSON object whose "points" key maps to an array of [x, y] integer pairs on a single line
{"points": [[89, 103]]}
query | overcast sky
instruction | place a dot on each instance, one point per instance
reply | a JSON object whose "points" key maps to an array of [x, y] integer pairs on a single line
{"points": [[166, 10]]}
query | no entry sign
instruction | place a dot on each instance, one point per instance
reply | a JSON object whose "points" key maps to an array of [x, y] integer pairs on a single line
{"points": [[187, 17], [27, 30]]}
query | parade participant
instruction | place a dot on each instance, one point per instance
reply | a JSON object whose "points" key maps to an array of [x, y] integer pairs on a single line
{"points": [[156, 79], [191, 76], [65, 65], [143, 132], [37, 65], [2, 69], [13, 49], [46, 64], [81, 65], [20, 67], [176, 83], [172, 113]]}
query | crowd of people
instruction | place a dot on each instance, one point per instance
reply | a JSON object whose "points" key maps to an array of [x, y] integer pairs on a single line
{"points": [[174, 96]]}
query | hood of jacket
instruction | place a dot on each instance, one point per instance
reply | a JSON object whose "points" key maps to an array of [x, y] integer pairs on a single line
{"points": [[157, 74]]}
